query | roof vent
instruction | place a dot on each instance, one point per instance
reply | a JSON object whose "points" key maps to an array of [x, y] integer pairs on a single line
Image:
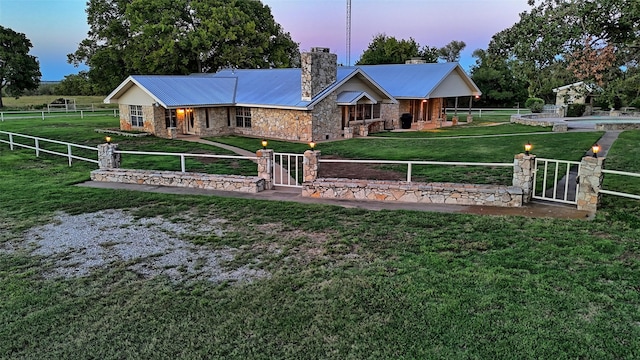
{"points": [[320, 49]]}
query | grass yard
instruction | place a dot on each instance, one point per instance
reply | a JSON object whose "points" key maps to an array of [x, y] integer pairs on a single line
{"points": [[41, 101], [343, 283]]}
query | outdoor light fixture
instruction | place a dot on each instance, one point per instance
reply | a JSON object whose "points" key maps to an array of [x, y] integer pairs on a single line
{"points": [[312, 145], [595, 149], [527, 148], [477, 97], [264, 144], [107, 139]]}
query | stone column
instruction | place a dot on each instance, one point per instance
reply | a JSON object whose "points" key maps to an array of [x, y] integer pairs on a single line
{"points": [[107, 156], [590, 182], [469, 118], [523, 168], [265, 167], [310, 165]]}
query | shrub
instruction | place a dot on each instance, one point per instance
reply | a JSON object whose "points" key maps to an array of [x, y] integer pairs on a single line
{"points": [[576, 110], [534, 104]]}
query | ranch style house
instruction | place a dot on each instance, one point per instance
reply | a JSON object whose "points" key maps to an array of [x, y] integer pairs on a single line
{"points": [[319, 101]]}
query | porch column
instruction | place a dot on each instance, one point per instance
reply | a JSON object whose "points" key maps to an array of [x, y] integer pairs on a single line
{"points": [[265, 167], [590, 182], [523, 168], [310, 165], [469, 116], [454, 121], [107, 156]]}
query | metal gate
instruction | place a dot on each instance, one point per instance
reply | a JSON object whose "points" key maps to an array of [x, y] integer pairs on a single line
{"points": [[556, 180], [288, 169]]}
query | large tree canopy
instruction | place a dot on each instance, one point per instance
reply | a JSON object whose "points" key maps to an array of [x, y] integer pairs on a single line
{"points": [[19, 71], [592, 40], [180, 37], [385, 49]]}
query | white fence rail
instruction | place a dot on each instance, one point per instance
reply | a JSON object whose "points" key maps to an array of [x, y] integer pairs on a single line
{"points": [[37, 146], [410, 164], [489, 111], [45, 114], [183, 156], [617, 193]]}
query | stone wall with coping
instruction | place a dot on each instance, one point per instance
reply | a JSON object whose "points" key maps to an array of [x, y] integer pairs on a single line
{"points": [[533, 119], [413, 192], [617, 126], [247, 184], [403, 191]]}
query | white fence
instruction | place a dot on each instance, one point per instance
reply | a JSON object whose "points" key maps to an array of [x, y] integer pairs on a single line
{"points": [[37, 146], [410, 164], [489, 111], [45, 114], [617, 193], [183, 156]]}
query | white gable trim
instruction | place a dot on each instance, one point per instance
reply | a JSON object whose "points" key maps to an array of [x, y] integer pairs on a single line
{"points": [[127, 84]]}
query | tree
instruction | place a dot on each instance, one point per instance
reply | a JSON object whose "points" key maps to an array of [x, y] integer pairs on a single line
{"points": [[19, 71], [499, 83], [75, 84], [385, 49], [179, 37], [591, 38], [451, 51]]}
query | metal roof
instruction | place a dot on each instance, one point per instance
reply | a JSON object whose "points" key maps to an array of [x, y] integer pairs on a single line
{"points": [[175, 91], [415, 81], [352, 97], [282, 87]]}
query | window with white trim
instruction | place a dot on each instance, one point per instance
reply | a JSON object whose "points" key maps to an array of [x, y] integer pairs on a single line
{"points": [[135, 114], [243, 117]]}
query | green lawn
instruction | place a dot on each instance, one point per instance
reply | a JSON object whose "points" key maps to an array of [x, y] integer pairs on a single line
{"points": [[345, 283]]}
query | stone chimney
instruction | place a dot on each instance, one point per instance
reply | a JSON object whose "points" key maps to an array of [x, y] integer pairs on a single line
{"points": [[319, 70], [416, 60]]}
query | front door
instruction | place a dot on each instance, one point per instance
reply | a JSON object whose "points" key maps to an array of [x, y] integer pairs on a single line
{"points": [[189, 121]]}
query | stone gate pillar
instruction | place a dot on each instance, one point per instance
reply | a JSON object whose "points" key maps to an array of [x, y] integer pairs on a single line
{"points": [[310, 165], [523, 168], [265, 167], [107, 156], [590, 182]]}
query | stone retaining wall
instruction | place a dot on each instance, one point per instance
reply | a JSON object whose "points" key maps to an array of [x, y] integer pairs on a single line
{"points": [[534, 119], [247, 184], [621, 126], [415, 192]]}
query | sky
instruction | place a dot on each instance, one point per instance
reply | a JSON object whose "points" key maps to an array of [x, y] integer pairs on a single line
{"points": [[56, 27]]}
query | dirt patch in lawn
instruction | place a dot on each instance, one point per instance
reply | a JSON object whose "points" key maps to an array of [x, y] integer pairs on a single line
{"points": [[357, 171]]}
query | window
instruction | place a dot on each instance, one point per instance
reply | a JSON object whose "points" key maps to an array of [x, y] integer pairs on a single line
{"points": [[206, 118], [135, 113], [170, 118], [364, 112], [243, 117]]}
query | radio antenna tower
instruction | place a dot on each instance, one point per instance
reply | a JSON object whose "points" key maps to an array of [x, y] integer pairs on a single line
{"points": [[348, 32]]}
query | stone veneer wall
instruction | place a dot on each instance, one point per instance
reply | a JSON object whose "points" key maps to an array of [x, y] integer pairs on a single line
{"points": [[327, 119], [277, 124], [247, 184], [218, 121], [391, 114], [414, 192]]}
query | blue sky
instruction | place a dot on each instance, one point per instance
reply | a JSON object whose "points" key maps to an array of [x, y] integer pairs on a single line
{"points": [[55, 27]]}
